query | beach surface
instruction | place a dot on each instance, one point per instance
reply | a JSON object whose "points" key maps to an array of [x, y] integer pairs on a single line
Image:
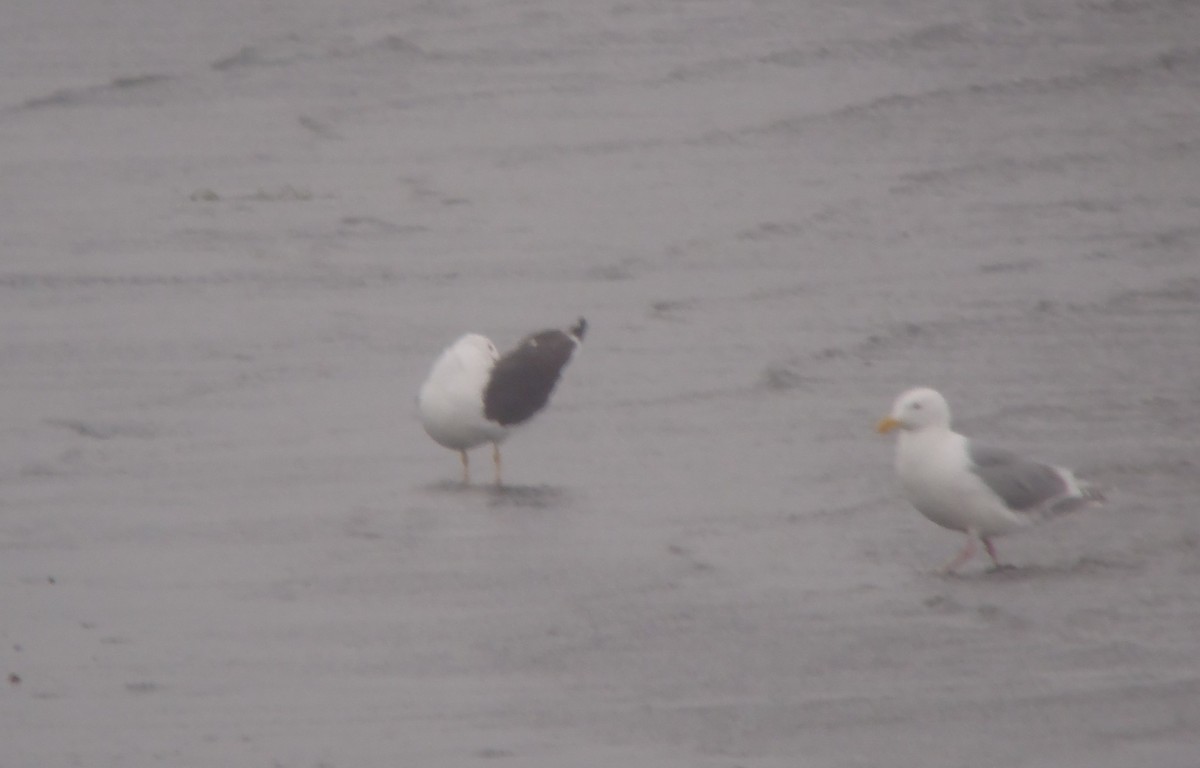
{"points": [[236, 235]]}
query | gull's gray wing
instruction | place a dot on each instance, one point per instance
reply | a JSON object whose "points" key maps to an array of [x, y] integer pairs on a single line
{"points": [[1023, 484]]}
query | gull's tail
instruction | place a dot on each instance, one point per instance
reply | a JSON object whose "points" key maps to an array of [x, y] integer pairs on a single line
{"points": [[579, 329], [1083, 494], [1091, 493]]}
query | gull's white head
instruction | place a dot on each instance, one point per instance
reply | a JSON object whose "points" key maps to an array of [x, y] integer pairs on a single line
{"points": [[917, 409], [478, 349]]}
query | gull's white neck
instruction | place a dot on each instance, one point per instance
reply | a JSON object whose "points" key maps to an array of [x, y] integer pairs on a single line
{"points": [[915, 446]]}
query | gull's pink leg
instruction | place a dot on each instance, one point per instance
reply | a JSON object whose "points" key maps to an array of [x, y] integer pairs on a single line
{"points": [[967, 551], [462, 455], [991, 550], [496, 461]]}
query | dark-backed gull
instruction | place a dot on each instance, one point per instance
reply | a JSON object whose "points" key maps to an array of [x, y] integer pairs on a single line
{"points": [[475, 395]]}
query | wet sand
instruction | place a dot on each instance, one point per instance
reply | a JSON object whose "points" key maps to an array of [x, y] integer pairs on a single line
{"points": [[236, 236]]}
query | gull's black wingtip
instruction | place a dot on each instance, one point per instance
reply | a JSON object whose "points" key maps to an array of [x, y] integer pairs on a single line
{"points": [[579, 329]]}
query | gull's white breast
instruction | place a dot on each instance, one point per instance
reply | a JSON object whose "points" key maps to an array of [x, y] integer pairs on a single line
{"points": [[936, 478], [451, 399]]}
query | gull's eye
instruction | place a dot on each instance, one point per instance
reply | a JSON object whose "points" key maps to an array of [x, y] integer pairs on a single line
{"points": [[916, 406]]}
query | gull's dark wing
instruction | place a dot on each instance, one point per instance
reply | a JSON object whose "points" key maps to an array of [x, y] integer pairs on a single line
{"points": [[523, 379]]}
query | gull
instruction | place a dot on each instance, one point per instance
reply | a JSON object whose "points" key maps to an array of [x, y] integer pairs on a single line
{"points": [[966, 486], [475, 395]]}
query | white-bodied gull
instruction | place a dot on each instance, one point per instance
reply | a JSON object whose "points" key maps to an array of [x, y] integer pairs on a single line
{"points": [[475, 395], [964, 486]]}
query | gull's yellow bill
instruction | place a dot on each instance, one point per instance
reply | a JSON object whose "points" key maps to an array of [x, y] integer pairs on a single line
{"points": [[886, 425]]}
